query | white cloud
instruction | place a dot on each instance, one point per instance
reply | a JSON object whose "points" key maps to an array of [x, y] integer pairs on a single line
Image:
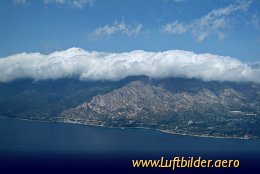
{"points": [[256, 21], [174, 28], [70, 3], [86, 65], [117, 27], [178, 0], [214, 23], [20, 2], [174, 1]]}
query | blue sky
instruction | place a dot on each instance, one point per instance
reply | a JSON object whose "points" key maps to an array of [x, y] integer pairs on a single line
{"points": [[222, 27]]}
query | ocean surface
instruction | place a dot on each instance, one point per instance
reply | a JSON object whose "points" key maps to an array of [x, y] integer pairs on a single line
{"points": [[32, 143]]}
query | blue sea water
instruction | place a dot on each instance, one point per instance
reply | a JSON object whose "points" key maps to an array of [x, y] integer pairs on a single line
{"points": [[18, 136], [21, 140]]}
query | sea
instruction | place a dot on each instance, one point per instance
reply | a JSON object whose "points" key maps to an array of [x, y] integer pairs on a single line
{"points": [[53, 147]]}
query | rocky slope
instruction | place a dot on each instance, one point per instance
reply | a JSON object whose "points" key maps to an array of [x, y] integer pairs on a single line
{"points": [[226, 112], [185, 106]]}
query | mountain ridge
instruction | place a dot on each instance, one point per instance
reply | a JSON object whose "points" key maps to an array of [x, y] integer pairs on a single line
{"points": [[142, 104], [178, 105]]}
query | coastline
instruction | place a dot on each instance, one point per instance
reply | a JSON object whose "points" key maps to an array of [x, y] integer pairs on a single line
{"points": [[110, 127]]}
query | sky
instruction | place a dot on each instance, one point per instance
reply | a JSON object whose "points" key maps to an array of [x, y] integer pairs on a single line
{"points": [[220, 27], [110, 40]]}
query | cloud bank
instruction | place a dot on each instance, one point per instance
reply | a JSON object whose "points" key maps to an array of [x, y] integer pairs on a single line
{"points": [[85, 65]]}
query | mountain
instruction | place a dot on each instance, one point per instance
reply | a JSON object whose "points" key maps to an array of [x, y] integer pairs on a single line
{"points": [[176, 105]]}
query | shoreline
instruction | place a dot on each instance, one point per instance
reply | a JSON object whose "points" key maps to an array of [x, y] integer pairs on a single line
{"points": [[163, 131]]}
